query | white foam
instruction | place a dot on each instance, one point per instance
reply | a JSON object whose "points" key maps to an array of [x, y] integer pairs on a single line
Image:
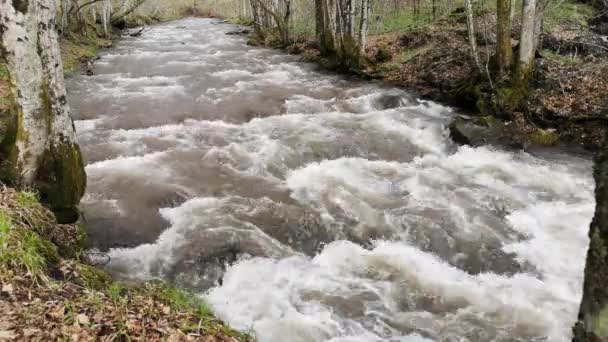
{"points": [[273, 297]]}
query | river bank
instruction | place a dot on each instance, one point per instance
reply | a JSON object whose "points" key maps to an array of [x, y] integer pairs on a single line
{"points": [[50, 291], [566, 104]]}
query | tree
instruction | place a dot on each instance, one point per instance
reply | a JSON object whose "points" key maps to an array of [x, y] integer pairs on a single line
{"points": [[278, 13], [527, 43], [592, 324], [471, 31], [336, 29], [365, 8], [504, 51], [38, 148]]}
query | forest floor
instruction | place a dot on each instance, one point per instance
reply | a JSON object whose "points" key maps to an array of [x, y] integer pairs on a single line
{"points": [[49, 291], [567, 101]]}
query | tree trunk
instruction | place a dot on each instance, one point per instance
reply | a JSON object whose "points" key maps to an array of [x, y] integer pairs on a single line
{"points": [[365, 7], [38, 148], [471, 30], [504, 50], [526, 42], [257, 24], [592, 324], [319, 26]]}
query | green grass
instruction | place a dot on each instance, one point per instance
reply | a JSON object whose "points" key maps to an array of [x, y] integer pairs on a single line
{"points": [[568, 13], [402, 20], [403, 57], [561, 59], [23, 249], [28, 199]]}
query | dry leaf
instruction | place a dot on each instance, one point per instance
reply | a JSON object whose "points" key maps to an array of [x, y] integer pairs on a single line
{"points": [[7, 288], [7, 334], [82, 319]]}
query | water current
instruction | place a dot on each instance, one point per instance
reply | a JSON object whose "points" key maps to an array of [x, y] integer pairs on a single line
{"points": [[306, 206]]}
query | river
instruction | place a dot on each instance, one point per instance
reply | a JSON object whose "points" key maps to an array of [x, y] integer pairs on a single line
{"points": [[306, 206]]}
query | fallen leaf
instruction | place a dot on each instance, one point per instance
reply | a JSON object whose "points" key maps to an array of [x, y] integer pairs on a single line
{"points": [[7, 288], [82, 319], [7, 334]]}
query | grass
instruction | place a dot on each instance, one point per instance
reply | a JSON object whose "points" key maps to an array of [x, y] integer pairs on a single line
{"points": [[568, 13], [24, 250], [562, 59], [404, 56], [71, 297]]}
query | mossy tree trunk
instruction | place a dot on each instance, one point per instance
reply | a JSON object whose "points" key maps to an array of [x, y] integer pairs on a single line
{"points": [[592, 324], [39, 147]]}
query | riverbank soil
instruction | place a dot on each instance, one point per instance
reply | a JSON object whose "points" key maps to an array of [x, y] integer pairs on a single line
{"points": [[48, 290], [567, 99]]}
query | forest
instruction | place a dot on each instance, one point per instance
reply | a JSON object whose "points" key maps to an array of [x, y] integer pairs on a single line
{"points": [[327, 170]]}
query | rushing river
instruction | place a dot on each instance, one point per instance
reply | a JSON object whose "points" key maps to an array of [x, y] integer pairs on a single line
{"points": [[306, 206]]}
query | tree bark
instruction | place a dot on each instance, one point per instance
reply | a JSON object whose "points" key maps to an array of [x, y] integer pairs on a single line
{"points": [[527, 41], [504, 50], [38, 148], [365, 7], [592, 324], [471, 31]]}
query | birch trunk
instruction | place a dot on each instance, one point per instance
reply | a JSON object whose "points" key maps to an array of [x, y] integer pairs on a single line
{"points": [[527, 40], [39, 147], [471, 31], [592, 322], [365, 8]]}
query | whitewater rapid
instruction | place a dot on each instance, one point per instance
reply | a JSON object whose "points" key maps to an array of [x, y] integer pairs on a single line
{"points": [[306, 206]]}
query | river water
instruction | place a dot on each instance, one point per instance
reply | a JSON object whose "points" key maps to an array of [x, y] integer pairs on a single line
{"points": [[305, 206]]}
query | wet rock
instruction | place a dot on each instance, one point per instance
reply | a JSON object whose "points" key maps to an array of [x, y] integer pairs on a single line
{"points": [[389, 102], [485, 130], [238, 32]]}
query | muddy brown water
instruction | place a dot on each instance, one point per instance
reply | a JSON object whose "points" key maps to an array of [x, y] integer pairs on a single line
{"points": [[306, 206]]}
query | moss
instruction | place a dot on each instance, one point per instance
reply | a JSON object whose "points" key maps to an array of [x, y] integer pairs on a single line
{"points": [[510, 98], [543, 137], [488, 121], [61, 180], [600, 323], [91, 277]]}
